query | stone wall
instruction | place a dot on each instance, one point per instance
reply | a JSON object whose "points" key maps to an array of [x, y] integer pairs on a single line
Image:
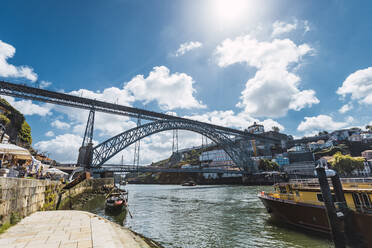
{"points": [[21, 197], [87, 185]]}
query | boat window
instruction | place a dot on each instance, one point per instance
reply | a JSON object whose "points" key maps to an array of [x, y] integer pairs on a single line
{"points": [[356, 199], [320, 197], [366, 200], [282, 190], [290, 189]]}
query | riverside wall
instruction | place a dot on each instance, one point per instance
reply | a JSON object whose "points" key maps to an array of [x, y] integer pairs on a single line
{"points": [[21, 197]]}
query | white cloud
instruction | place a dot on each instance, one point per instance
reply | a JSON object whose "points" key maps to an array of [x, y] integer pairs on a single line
{"points": [[7, 51], [320, 123], [229, 119], [171, 91], [274, 89], [60, 124], [26, 107], [245, 49], [112, 94], [302, 99], [105, 125], [306, 26], [280, 27], [63, 148], [359, 85], [49, 134], [45, 84], [187, 46], [345, 108], [349, 119]]}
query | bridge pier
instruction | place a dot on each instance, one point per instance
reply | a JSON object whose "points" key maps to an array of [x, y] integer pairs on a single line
{"points": [[86, 150], [85, 156]]}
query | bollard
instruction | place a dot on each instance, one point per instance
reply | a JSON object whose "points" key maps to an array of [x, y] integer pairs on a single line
{"points": [[337, 235]]}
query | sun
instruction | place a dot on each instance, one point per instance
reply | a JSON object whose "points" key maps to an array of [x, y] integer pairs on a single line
{"points": [[230, 11]]}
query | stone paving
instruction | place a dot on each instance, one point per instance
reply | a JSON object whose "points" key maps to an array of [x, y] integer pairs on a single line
{"points": [[75, 229]]}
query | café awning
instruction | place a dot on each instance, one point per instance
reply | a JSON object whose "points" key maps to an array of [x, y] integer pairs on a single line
{"points": [[16, 151]]}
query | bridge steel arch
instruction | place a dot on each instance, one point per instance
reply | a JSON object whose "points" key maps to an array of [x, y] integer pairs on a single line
{"points": [[109, 148]]}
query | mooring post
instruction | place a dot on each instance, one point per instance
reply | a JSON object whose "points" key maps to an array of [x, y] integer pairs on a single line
{"points": [[339, 193], [337, 235], [353, 238]]}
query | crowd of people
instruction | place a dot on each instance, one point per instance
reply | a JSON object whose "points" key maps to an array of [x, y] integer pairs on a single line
{"points": [[18, 162]]}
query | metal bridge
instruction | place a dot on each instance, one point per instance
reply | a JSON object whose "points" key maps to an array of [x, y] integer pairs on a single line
{"points": [[94, 157], [133, 169]]}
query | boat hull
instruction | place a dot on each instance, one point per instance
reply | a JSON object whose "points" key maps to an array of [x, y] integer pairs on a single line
{"points": [[314, 217]]}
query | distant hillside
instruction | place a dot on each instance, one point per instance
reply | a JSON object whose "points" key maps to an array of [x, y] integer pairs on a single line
{"points": [[15, 124]]}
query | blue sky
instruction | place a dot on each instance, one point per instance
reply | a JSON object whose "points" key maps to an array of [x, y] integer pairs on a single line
{"points": [[302, 66]]}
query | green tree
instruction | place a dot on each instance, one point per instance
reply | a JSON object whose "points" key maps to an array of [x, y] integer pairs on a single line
{"points": [[322, 133], [369, 127], [25, 133], [275, 129], [275, 166], [263, 165], [268, 165], [345, 164], [4, 120]]}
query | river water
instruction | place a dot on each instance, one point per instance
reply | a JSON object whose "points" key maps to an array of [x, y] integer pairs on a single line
{"points": [[209, 216]]}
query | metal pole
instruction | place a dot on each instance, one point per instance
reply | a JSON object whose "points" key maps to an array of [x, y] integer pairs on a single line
{"points": [[354, 238], [337, 235]]}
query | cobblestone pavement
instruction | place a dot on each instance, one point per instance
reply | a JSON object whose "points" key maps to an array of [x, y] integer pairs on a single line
{"points": [[75, 229]]}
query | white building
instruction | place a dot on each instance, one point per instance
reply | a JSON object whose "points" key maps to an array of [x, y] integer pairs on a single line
{"points": [[216, 158]]}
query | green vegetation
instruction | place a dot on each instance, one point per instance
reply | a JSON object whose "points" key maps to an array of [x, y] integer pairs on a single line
{"points": [[15, 123], [322, 133], [342, 148], [268, 165], [275, 129], [14, 219], [25, 133], [4, 120], [4, 227], [345, 164], [50, 199]]}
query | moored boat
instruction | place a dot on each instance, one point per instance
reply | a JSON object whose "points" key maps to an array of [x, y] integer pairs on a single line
{"points": [[117, 201], [300, 203], [123, 182], [189, 183]]}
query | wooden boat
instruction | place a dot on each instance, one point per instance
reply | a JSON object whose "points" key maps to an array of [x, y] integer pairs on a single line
{"points": [[117, 200], [300, 203]]}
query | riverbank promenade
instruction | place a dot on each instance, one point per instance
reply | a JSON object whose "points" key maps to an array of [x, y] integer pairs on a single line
{"points": [[75, 229]]}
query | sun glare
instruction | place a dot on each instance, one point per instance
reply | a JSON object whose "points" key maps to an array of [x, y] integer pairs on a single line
{"points": [[230, 11]]}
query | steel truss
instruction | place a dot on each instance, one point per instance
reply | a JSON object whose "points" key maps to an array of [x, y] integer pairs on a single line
{"points": [[36, 94], [109, 148]]}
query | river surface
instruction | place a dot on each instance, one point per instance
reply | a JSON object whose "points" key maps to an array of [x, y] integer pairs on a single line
{"points": [[208, 217]]}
